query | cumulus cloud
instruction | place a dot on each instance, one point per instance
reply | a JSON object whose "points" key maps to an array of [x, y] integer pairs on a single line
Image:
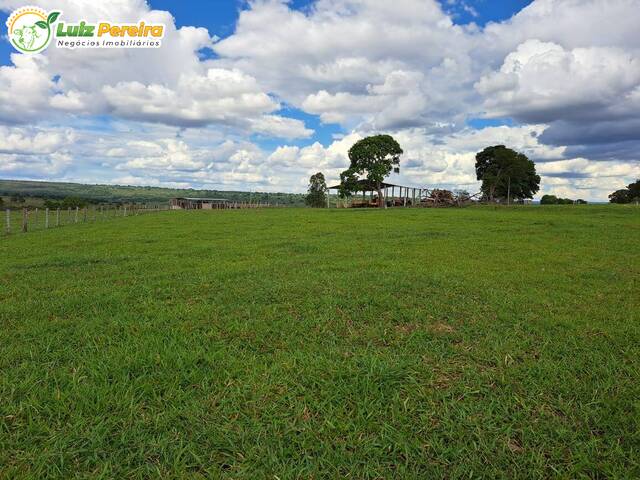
{"points": [[356, 61], [224, 97], [33, 141], [543, 82]]}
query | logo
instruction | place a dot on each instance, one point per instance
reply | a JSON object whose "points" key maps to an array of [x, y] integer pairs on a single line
{"points": [[31, 29]]}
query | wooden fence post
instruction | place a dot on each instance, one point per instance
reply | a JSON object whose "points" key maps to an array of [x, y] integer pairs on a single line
{"points": [[46, 218], [58, 217], [35, 220], [77, 211], [8, 221], [125, 211], [25, 220]]}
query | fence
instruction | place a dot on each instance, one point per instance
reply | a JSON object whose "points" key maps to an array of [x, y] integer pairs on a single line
{"points": [[32, 219]]}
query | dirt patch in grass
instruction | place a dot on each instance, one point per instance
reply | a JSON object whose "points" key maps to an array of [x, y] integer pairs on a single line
{"points": [[440, 327]]}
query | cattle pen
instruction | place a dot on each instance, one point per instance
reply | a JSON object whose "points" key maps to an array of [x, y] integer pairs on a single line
{"points": [[366, 195]]}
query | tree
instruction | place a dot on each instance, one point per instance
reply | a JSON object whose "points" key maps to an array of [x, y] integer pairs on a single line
{"points": [[549, 200], [634, 191], [630, 194], [372, 160], [317, 192], [620, 196], [506, 173]]}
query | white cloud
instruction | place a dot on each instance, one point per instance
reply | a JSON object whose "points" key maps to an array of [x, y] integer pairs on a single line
{"points": [[225, 97], [165, 155], [543, 82], [32, 141], [353, 59], [570, 23]]}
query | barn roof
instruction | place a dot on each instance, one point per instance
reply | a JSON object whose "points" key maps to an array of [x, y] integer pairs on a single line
{"points": [[368, 186]]}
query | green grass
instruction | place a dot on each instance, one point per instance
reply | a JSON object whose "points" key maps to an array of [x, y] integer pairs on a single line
{"points": [[36, 217], [408, 343]]}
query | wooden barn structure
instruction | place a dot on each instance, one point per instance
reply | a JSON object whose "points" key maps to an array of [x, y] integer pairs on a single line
{"points": [[366, 196], [181, 203]]}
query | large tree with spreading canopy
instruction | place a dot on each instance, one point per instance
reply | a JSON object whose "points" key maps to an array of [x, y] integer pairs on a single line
{"points": [[372, 160], [506, 173]]}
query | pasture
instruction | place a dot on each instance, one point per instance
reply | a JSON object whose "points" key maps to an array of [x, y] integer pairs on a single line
{"points": [[297, 343]]}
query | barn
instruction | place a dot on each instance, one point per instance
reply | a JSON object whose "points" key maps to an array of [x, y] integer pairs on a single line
{"points": [[181, 203], [394, 195]]}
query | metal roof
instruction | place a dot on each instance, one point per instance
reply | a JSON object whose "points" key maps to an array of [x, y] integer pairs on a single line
{"points": [[370, 187]]}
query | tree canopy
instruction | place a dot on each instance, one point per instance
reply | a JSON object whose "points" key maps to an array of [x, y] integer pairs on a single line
{"points": [[631, 194], [553, 200], [634, 190], [317, 192], [372, 160], [506, 173]]}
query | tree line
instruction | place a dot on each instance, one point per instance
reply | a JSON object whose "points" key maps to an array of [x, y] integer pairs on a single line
{"points": [[553, 200]]}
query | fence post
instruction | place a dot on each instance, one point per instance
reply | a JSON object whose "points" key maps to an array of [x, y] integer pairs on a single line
{"points": [[46, 218], [69, 215], [35, 220], [25, 220], [77, 211], [85, 215], [8, 221], [58, 217], [125, 211]]}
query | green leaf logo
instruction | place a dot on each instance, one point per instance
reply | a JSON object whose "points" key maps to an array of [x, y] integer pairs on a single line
{"points": [[42, 24], [53, 16]]}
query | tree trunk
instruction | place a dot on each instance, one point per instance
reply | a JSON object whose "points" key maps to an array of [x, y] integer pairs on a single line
{"points": [[381, 201]]}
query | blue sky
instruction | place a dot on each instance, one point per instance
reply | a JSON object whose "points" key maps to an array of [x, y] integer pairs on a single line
{"points": [[220, 16], [260, 95]]}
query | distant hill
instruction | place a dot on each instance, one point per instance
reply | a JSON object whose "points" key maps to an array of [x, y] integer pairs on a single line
{"points": [[131, 194]]}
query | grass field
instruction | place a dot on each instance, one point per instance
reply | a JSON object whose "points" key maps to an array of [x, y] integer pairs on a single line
{"points": [[293, 343]]}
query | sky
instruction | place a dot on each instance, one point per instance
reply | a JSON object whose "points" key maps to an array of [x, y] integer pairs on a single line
{"points": [[260, 95]]}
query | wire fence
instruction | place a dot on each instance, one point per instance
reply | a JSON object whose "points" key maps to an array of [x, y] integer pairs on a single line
{"points": [[16, 221]]}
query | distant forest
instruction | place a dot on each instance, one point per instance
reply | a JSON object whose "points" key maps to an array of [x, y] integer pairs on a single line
{"points": [[35, 193]]}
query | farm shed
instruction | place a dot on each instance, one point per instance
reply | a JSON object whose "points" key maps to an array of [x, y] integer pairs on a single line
{"points": [[394, 195], [198, 203]]}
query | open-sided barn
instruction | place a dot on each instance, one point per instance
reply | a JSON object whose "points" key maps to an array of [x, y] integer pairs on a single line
{"points": [[198, 203]]}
